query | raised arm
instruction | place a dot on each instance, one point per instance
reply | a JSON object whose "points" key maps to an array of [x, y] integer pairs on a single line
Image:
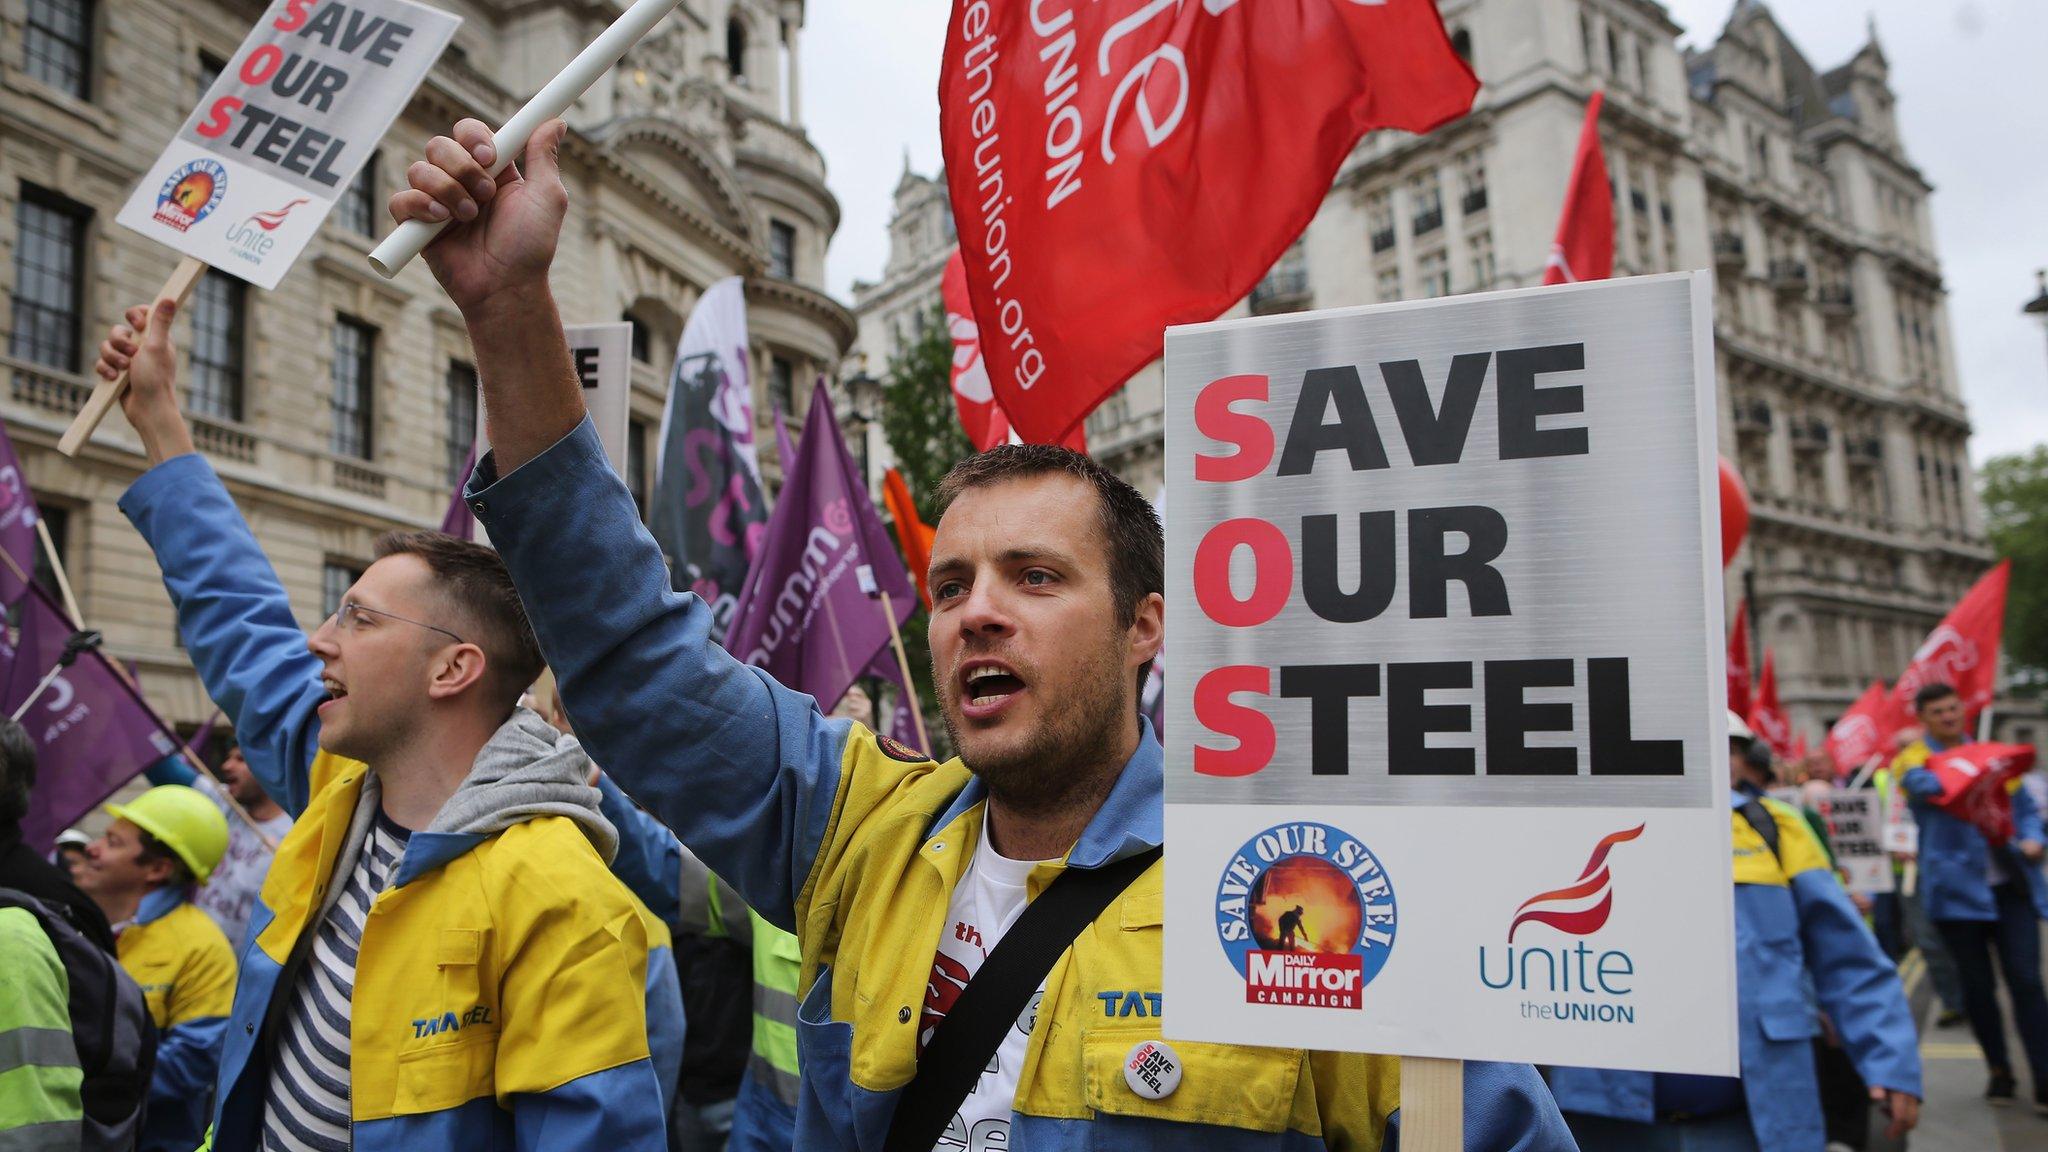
{"points": [[745, 771], [233, 613]]}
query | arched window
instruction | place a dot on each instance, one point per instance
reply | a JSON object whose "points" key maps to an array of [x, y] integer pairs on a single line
{"points": [[1461, 43], [736, 48]]}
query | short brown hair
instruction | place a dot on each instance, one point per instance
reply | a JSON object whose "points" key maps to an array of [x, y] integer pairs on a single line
{"points": [[478, 587], [1137, 545]]}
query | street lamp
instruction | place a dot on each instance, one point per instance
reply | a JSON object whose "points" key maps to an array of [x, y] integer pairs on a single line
{"points": [[863, 394], [2038, 306]]}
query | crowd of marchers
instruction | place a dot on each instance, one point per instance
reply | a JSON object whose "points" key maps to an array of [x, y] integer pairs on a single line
{"points": [[492, 834]]}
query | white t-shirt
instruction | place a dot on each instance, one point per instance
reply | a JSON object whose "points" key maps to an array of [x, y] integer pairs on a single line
{"points": [[988, 899], [229, 895]]}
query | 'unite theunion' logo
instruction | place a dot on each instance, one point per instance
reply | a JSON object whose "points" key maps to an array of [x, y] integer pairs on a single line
{"points": [[1306, 915]]}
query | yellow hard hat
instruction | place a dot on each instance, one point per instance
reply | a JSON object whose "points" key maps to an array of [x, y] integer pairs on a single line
{"points": [[184, 820]]}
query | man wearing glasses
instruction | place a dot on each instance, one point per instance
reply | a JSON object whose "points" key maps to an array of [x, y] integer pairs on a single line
{"points": [[439, 957]]}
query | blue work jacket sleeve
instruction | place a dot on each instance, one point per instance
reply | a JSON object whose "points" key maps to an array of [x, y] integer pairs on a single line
{"points": [[235, 619], [181, 1086], [2027, 824], [170, 770], [1858, 988], [1921, 783], [613, 1110], [744, 770], [1507, 1109], [650, 858]]}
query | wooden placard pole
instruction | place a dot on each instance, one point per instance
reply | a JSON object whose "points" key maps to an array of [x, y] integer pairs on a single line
{"points": [[77, 621], [107, 393], [57, 568], [909, 684], [1432, 1104]]}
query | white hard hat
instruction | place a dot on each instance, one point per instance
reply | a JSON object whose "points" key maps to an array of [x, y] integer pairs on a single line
{"points": [[72, 836], [1737, 730]]}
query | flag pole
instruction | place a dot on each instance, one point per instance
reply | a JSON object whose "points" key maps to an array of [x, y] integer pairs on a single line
{"points": [[198, 765], [903, 663]]}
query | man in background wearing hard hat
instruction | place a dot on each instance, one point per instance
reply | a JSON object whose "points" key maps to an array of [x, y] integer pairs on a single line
{"points": [[141, 872]]}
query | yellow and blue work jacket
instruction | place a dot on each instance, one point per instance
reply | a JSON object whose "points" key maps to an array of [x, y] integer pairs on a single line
{"points": [[187, 974], [1797, 937], [855, 844], [499, 997]]}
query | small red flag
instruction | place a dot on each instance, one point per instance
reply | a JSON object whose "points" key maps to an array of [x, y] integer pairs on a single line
{"points": [[1767, 716], [981, 415], [1584, 249], [1738, 662], [911, 532], [1961, 652], [1862, 731], [971, 392], [1974, 784], [1119, 168]]}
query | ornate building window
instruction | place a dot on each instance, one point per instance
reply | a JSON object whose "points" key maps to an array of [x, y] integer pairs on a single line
{"points": [[736, 49], [219, 306], [49, 278], [782, 249], [336, 578], [357, 209], [1434, 269], [353, 377], [460, 382], [56, 45]]}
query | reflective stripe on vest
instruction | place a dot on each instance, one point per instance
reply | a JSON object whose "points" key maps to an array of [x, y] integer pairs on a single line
{"points": [[777, 960]]}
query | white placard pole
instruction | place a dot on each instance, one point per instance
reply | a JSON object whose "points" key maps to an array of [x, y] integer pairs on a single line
{"points": [[568, 86]]}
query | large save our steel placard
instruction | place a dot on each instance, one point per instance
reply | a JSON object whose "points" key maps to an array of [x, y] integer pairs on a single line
{"points": [[281, 133], [1447, 770]]}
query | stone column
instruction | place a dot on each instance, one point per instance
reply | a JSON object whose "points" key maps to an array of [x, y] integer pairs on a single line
{"points": [[790, 29]]}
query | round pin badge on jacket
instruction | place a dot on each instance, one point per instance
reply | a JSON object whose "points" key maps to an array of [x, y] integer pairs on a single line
{"points": [[1152, 1070]]}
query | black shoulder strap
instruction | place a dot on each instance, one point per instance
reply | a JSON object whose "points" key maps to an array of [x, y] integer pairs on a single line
{"points": [[972, 1031], [1766, 826]]}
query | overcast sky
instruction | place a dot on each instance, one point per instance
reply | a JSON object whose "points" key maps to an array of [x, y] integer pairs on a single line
{"points": [[1967, 73]]}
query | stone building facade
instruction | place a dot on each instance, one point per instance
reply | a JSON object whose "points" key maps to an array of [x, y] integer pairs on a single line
{"points": [[341, 405], [1839, 397]]}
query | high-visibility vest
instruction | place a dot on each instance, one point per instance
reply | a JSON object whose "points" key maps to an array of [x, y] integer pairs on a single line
{"points": [[777, 960]]}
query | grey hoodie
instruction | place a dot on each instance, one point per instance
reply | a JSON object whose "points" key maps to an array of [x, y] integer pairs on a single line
{"points": [[528, 769]]}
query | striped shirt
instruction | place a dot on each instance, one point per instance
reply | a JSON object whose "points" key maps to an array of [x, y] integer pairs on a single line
{"points": [[306, 1104]]}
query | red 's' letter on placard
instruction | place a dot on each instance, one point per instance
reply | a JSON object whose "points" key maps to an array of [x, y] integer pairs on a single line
{"points": [[1216, 711], [1251, 434], [296, 12], [219, 116], [1272, 572]]}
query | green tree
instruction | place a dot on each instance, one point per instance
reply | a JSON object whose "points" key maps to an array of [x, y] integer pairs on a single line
{"points": [[923, 429], [2015, 490]]}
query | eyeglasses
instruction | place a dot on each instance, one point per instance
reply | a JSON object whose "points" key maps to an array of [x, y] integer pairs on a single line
{"points": [[350, 611]]}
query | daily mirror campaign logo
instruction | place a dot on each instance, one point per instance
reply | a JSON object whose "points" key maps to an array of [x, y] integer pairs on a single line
{"points": [[1306, 916], [1560, 981]]}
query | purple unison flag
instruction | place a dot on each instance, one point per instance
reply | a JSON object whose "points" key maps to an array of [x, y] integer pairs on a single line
{"points": [[92, 732], [17, 522], [900, 724], [708, 511], [457, 521], [807, 615]]}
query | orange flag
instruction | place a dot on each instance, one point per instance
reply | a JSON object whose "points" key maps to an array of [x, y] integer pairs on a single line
{"points": [[912, 533]]}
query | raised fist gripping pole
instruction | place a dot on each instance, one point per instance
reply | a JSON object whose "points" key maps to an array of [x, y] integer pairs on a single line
{"points": [[408, 239]]}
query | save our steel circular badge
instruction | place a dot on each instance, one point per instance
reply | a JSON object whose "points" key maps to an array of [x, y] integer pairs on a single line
{"points": [[1306, 915]]}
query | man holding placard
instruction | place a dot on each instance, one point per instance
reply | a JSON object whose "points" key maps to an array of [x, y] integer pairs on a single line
{"points": [[911, 884], [438, 957]]}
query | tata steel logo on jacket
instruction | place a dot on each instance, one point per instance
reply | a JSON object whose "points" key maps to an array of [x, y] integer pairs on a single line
{"points": [[1306, 915], [1580, 908], [191, 193]]}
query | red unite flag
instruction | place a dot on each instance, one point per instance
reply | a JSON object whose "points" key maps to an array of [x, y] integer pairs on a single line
{"points": [[981, 415], [1118, 168], [1738, 662], [1584, 248], [1767, 716], [1961, 652], [1863, 731], [1975, 784]]}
